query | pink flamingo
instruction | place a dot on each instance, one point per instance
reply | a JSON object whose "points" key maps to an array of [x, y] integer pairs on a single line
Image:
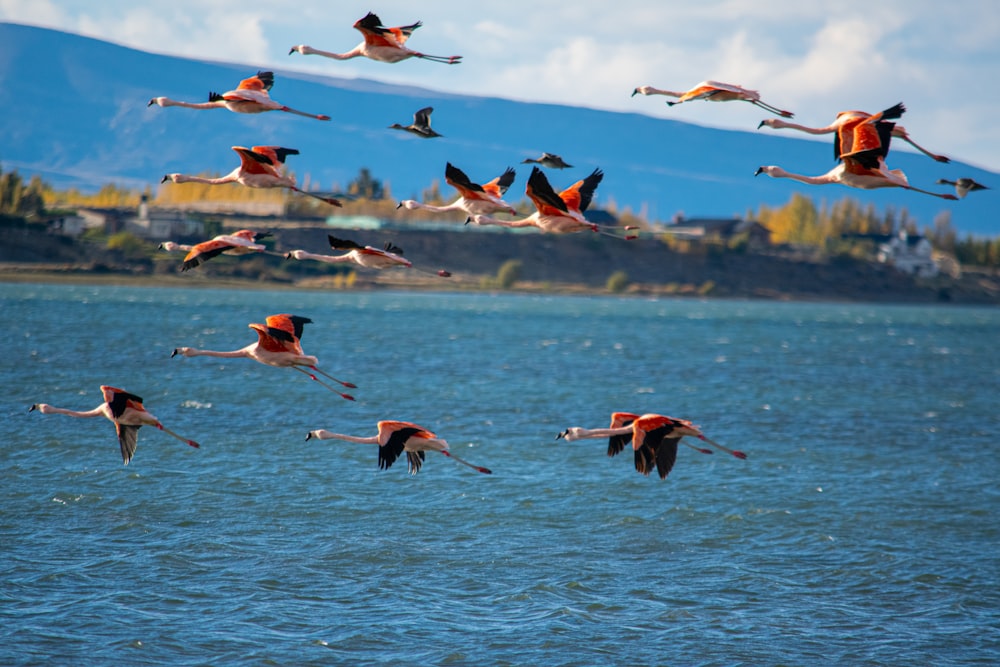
{"points": [[366, 256], [394, 438], [850, 117], [251, 96], [714, 91], [473, 198], [380, 43], [259, 168], [654, 439], [278, 344], [127, 413], [560, 213]]}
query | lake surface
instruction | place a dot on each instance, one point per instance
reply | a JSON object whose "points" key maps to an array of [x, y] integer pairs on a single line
{"points": [[862, 529]]}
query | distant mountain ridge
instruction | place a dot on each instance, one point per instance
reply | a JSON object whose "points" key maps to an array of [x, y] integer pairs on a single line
{"points": [[74, 110]]}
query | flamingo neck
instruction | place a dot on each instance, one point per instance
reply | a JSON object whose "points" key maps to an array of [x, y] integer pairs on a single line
{"points": [[232, 354], [323, 434], [167, 102], [184, 178], [50, 410], [329, 259], [588, 433]]}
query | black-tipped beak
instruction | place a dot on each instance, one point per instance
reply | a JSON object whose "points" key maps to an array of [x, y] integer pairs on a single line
{"points": [[635, 92], [33, 407], [151, 102], [309, 436], [760, 170], [468, 220], [164, 179], [291, 50], [399, 205], [562, 435], [761, 124], [174, 353]]}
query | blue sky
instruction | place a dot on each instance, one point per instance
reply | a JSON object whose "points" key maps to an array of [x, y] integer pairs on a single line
{"points": [[941, 59]]}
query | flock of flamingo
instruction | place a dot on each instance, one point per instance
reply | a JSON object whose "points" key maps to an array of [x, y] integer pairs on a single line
{"points": [[860, 147]]}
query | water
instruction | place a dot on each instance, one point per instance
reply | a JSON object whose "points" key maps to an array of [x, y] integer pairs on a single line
{"points": [[861, 530]]}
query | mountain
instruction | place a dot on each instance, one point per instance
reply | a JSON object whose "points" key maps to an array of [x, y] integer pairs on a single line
{"points": [[74, 111]]}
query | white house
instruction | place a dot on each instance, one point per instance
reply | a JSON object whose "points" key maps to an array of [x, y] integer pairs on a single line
{"points": [[912, 254]]}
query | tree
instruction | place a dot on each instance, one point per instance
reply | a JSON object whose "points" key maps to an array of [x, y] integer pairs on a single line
{"points": [[509, 273], [365, 186]]}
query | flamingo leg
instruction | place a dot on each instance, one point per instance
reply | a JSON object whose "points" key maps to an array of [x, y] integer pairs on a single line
{"points": [[347, 397], [735, 452], [447, 60], [326, 200], [774, 110], [703, 450], [307, 115], [349, 385], [186, 441], [485, 471]]}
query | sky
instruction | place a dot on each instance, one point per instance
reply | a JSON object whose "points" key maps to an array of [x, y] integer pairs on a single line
{"points": [[942, 59]]}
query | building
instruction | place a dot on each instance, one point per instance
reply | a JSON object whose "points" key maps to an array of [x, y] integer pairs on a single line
{"points": [[720, 230], [909, 253]]}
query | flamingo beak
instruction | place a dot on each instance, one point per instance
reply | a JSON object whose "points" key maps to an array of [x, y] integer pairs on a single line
{"points": [[760, 170], [761, 124]]}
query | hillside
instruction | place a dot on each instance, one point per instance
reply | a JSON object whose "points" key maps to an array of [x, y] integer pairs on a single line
{"points": [[577, 263], [74, 110]]}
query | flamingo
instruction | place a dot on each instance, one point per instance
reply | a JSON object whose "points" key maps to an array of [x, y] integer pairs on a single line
{"points": [[421, 125], [550, 160], [556, 213], [713, 91], [381, 44], [852, 173], [963, 186], [251, 96], [474, 198], [365, 256], [396, 437], [847, 117], [654, 439], [278, 344], [243, 242], [258, 168], [127, 413]]}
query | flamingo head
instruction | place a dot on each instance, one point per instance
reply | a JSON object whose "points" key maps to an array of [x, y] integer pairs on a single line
{"points": [[767, 122]]}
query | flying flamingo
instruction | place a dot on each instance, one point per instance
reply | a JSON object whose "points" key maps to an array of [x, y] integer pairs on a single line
{"points": [[474, 198], [713, 91], [550, 160], [365, 256], [421, 125], [251, 96], [556, 213], [127, 413], [846, 117], [963, 186], [259, 168], [852, 174], [243, 242], [861, 144], [382, 44], [654, 439], [277, 345], [396, 437]]}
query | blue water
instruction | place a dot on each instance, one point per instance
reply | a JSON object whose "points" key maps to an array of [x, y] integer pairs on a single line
{"points": [[862, 529]]}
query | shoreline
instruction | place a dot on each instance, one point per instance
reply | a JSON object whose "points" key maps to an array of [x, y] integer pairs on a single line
{"points": [[24, 273]]}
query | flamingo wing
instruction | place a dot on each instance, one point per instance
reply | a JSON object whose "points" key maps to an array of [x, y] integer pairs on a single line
{"points": [[616, 443], [263, 81], [289, 324], [457, 179], [342, 244], [666, 454], [502, 182], [128, 438], [579, 195], [118, 400], [395, 445], [254, 161], [205, 251], [540, 191], [274, 154]]}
